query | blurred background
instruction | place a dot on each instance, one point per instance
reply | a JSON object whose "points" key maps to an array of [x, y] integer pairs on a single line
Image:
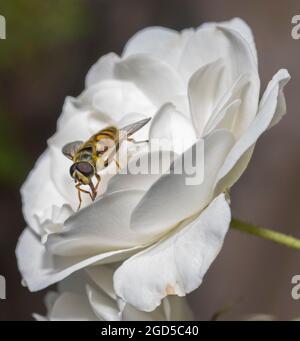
{"points": [[50, 46]]}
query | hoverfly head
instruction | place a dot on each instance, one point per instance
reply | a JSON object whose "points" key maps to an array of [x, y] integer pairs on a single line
{"points": [[82, 172]]}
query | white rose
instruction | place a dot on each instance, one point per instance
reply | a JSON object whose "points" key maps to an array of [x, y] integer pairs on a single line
{"points": [[88, 295], [195, 84]]}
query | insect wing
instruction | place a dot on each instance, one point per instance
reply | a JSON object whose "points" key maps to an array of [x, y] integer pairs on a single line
{"points": [[133, 127], [70, 149]]}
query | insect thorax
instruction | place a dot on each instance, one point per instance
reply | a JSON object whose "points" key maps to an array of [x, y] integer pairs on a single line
{"points": [[85, 154]]}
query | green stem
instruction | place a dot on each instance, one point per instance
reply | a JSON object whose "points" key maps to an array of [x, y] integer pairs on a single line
{"points": [[274, 236]]}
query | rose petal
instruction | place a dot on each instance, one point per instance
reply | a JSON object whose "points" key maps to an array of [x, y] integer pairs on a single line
{"points": [[156, 163], [102, 275], [103, 306], [158, 81], [270, 108], [170, 200], [175, 265], [103, 69], [39, 317], [246, 91], [115, 99], [39, 195], [224, 119], [79, 128], [69, 111], [210, 43], [172, 308], [204, 89], [100, 227], [40, 269], [72, 307], [75, 283], [160, 42], [172, 127], [239, 25]]}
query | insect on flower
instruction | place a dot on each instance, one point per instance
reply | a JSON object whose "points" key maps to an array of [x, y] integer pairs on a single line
{"points": [[96, 154]]}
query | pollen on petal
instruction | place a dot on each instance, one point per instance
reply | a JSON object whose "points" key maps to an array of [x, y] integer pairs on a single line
{"points": [[170, 290]]}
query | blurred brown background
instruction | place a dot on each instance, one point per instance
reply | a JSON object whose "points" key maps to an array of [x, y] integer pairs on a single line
{"points": [[49, 47]]}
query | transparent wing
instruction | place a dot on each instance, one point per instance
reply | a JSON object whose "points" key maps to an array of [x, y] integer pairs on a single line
{"points": [[133, 127], [71, 148]]}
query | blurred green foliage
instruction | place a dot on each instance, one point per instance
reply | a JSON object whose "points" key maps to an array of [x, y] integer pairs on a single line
{"points": [[13, 161], [33, 27], [36, 25]]}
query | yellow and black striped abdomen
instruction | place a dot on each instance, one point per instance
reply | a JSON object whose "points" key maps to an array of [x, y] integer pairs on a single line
{"points": [[106, 139], [111, 133], [106, 145]]}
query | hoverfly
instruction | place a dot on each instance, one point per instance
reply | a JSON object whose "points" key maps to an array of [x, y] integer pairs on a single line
{"points": [[96, 154]]}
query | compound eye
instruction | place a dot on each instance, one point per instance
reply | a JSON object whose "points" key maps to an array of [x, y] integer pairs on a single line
{"points": [[72, 169], [85, 168]]}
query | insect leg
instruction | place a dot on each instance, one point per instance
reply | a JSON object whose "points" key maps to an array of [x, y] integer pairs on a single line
{"points": [[98, 181], [130, 139], [118, 164], [80, 190], [94, 188], [79, 197]]}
